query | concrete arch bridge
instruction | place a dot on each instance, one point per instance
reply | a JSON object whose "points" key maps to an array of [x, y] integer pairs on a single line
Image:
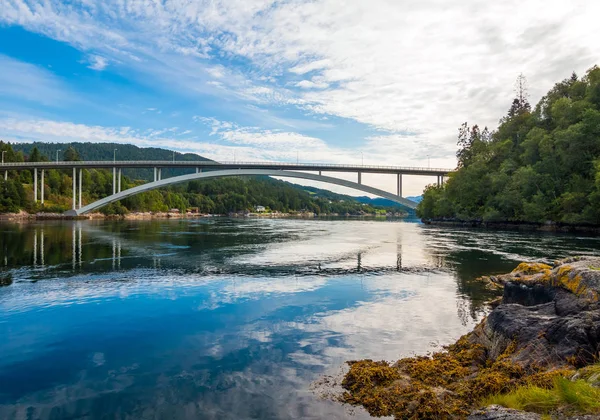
{"points": [[211, 169]]}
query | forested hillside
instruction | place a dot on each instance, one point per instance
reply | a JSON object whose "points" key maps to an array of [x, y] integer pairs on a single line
{"points": [[217, 196], [539, 165]]}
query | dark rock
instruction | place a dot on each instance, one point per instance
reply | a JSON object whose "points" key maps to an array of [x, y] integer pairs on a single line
{"points": [[523, 294]]}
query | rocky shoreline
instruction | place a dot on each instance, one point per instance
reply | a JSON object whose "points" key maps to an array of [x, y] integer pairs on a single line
{"points": [[523, 226], [542, 338], [24, 216]]}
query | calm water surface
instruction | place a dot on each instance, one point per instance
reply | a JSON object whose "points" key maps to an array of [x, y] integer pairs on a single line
{"points": [[230, 319]]}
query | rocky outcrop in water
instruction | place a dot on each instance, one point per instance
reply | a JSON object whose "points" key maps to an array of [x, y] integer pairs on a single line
{"points": [[551, 313], [546, 325]]}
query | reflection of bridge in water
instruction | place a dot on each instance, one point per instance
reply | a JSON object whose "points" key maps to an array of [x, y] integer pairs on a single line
{"points": [[211, 169], [155, 258]]}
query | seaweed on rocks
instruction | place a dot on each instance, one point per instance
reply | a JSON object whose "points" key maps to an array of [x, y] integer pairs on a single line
{"points": [[546, 327]]}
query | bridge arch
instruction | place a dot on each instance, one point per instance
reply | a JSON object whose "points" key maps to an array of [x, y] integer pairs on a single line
{"points": [[239, 172]]}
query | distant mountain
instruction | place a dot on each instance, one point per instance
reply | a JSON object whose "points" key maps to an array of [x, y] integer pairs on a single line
{"points": [[415, 198], [385, 202], [375, 202]]}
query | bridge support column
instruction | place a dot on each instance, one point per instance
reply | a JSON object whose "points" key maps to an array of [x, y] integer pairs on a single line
{"points": [[35, 188], [6, 175], [154, 174], [74, 188], [319, 173], [399, 185], [42, 189], [360, 177], [80, 182], [439, 182], [119, 184], [114, 180], [159, 174], [198, 170]]}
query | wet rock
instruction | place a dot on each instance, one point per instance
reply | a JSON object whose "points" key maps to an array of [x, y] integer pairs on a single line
{"points": [[5, 280], [496, 412]]}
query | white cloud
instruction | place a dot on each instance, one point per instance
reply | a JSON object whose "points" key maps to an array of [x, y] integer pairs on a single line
{"points": [[309, 84], [97, 62], [421, 66]]}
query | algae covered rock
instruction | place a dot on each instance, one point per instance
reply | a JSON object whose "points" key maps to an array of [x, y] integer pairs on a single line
{"points": [[547, 325], [552, 315]]}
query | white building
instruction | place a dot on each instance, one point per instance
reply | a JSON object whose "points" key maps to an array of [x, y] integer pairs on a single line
{"points": [[260, 209]]}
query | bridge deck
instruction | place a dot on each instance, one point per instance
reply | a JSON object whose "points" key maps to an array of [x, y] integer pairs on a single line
{"points": [[207, 164]]}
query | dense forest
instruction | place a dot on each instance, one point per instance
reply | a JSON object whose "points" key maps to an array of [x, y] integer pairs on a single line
{"points": [[540, 165], [216, 196]]}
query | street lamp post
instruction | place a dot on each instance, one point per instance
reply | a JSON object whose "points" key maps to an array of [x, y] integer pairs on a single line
{"points": [[173, 156], [114, 155], [3, 152], [59, 150], [362, 157]]}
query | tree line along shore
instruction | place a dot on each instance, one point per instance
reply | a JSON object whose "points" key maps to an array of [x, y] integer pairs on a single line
{"points": [[541, 166]]}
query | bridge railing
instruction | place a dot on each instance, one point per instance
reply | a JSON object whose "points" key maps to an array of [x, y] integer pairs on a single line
{"points": [[190, 163]]}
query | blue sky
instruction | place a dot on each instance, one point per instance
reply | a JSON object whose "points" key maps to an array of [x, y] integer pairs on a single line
{"points": [[322, 80]]}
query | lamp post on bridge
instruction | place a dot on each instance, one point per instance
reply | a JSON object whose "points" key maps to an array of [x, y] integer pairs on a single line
{"points": [[173, 156], [59, 150], [362, 158], [3, 152]]}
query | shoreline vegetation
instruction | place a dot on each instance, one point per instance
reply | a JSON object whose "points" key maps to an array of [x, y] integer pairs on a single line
{"points": [[536, 351], [540, 167], [22, 216]]}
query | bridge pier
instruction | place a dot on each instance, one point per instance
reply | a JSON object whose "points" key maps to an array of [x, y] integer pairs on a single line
{"points": [[114, 180], [35, 188], [360, 177], [42, 187], [198, 170], [399, 185], [159, 174], [80, 183], [155, 174], [119, 185], [74, 188], [6, 175]]}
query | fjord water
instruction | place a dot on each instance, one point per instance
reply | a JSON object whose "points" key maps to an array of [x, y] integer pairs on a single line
{"points": [[231, 318]]}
